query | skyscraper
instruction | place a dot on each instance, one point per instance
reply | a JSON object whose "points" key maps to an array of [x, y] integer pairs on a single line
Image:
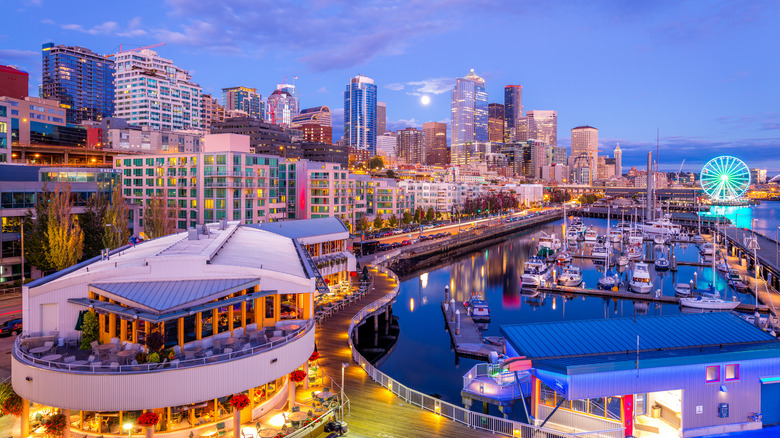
{"points": [[211, 111], [163, 96], [243, 99], [80, 79], [513, 111], [283, 105], [469, 117], [584, 150], [435, 139], [496, 122], [360, 126], [319, 115], [386, 144], [618, 161], [410, 145], [543, 126], [381, 118]]}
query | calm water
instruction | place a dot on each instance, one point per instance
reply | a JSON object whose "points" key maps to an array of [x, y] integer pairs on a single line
{"points": [[767, 216], [423, 358]]}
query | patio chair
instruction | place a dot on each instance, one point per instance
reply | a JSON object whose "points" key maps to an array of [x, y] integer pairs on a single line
{"points": [[177, 350], [69, 359], [228, 351], [114, 366], [221, 429], [175, 363], [91, 358], [295, 409], [217, 346], [96, 365], [210, 356]]}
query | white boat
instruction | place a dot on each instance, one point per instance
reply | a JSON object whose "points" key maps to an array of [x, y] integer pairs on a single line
{"points": [[478, 309], [640, 279], [608, 281], [707, 248], [659, 239], [661, 264], [600, 251], [661, 226], [548, 244], [682, 289], [572, 235], [535, 272], [571, 276], [563, 257], [635, 237], [623, 226], [615, 235], [591, 235], [723, 267], [577, 225], [635, 252], [709, 303], [697, 239], [622, 260], [736, 281]]}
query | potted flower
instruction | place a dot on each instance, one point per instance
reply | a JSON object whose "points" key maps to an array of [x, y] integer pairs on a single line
{"points": [[12, 403], [54, 425], [298, 376], [314, 356], [238, 401], [148, 420]]}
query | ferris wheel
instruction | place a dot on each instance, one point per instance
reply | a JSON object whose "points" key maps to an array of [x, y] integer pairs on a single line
{"points": [[725, 178]]}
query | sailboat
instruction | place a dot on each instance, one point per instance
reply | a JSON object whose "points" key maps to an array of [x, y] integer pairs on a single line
{"points": [[661, 263], [564, 256], [608, 281]]}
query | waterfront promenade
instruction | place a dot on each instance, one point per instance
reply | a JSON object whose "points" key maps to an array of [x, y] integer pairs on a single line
{"points": [[375, 411]]}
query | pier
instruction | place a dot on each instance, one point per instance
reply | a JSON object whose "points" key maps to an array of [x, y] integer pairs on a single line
{"points": [[464, 333], [680, 218]]}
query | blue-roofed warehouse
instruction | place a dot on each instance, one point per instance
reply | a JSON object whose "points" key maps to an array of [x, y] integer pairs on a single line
{"points": [[679, 375]]}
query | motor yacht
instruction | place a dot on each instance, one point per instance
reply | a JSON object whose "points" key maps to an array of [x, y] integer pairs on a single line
{"points": [[563, 257], [707, 249], [640, 279], [536, 272], [591, 235], [615, 235], [661, 263], [635, 237], [571, 276], [661, 226], [682, 289], [635, 252], [622, 259], [736, 281], [608, 280], [600, 251], [548, 244], [478, 309]]}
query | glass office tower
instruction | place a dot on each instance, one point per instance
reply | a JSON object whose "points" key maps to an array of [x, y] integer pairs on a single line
{"points": [[360, 114], [469, 117]]}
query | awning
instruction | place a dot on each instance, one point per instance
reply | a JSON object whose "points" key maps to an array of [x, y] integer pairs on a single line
{"points": [[80, 320], [558, 382]]}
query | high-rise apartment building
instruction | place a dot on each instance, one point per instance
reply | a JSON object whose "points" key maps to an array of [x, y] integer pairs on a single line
{"points": [[5, 127], [410, 146], [211, 111], [469, 117], [317, 133], [152, 91], [496, 122], [243, 99], [80, 79], [584, 150], [435, 139], [14, 82], [513, 112], [265, 138], [381, 118], [282, 105], [360, 118], [319, 115], [618, 154], [543, 126], [386, 144]]}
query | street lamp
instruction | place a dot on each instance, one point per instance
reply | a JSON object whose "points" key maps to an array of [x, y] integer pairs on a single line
{"points": [[344, 366], [129, 428]]}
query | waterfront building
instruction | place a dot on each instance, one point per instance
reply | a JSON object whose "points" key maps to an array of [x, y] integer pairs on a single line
{"points": [[386, 144], [435, 139], [496, 122], [264, 138], [469, 110], [150, 90], [13, 82], [319, 115], [244, 99], [387, 198], [410, 146], [317, 133], [118, 135], [325, 152], [381, 118], [360, 114], [211, 111], [80, 79], [684, 375], [282, 105], [757, 176], [543, 126], [20, 187], [232, 305], [224, 180], [513, 113], [585, 143], [315, 190], [618, 154]]}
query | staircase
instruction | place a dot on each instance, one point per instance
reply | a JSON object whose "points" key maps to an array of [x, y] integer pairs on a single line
{"points": [[319, 282]]}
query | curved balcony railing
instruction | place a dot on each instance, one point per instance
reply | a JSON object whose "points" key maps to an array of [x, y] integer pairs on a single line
{"points": [[103, 368]]}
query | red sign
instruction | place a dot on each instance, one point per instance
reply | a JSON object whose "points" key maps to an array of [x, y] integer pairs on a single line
{"points": [[628, 414]]}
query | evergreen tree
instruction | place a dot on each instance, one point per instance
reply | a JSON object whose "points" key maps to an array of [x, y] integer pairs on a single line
{"points": [[116, 224], [64, 235], [35, 225], [89, 330], [429, 215], [91, 222], [407, 218]]}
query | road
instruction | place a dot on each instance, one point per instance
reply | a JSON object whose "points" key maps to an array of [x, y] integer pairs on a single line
{"points": [[10, 308]]}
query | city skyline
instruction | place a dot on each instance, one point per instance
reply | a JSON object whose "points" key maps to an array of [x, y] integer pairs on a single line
{"points": [[679, 68]]}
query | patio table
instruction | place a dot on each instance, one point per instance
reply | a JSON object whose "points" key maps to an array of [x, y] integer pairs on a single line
{"points": [[226, 342], [124, 355], [267, 433], [52, 357], [40, 350], [325, 395], [298, 416]]}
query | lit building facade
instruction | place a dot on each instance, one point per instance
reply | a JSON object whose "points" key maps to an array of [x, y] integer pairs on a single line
{"points": [[386, 144], [211, 111], [151, 91], [469, 109], [381, 118], [317, 133], [35, 121], [585, 143], [410, 146], [5, 128], [80, 79], [282, 105], [360, 114], [14, 82], [496, 122], [618, 154], [244, 99], [435, 140], [543, 126], [513, 112], [319, 115]]}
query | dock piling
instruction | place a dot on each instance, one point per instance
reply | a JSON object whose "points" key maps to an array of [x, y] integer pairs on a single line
{"points": [[457, 329]]}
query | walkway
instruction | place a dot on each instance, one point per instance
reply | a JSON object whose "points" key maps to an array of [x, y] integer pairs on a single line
{"points": [[376, 412], [767, 259]]}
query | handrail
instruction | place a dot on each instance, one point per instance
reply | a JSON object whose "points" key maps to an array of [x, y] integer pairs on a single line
{"points": [[154, 367], [464, 416]]}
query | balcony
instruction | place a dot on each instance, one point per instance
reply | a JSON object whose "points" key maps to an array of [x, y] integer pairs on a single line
{"points": [[84, 385]]}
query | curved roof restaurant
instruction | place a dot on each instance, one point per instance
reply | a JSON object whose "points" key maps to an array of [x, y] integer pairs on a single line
{"points": [[184, 323]]}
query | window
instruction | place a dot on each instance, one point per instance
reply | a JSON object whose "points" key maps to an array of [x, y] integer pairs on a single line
{"points": [[713, 374], [732, 372]]}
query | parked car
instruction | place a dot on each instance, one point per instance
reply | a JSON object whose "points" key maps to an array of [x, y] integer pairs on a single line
{"points": [[13, 326], [406, 243]]}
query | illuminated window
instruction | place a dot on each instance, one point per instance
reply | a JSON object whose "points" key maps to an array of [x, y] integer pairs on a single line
{"points": [[732, 372], [713, 374]]}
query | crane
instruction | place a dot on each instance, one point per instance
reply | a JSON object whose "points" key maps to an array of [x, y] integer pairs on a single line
{"points": [[138, 49], [678, 172], [276, 103]]}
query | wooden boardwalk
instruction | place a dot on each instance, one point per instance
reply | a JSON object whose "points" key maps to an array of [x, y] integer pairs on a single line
{"points": [[375, 411]]}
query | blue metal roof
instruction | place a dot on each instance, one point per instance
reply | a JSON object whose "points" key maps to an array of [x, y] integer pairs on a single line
{"points": [[605, 336], [166, 296], [296, 229]]}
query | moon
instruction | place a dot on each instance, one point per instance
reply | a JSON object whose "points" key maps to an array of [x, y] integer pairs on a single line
{"points": [[425, 100]]}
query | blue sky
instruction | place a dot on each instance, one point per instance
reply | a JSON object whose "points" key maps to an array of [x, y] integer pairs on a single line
{"points": [[702, 72]]}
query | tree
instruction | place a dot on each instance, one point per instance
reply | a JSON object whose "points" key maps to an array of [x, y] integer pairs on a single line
{"points": [[390, 173], [89, 330], [160, 216], [64, 235], [35, 226], [407, 218], [91, 222], [116, 224], [376, 163], [378, 221], [364, 224], [430, 214], [393, 221], [418, 215]]}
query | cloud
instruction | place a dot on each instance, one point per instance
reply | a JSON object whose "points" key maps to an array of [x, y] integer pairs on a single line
{"points": [[425, 86], [402, 124], [12, 56], [322, 89], [395, 87], [133, 29], [105, 28]]}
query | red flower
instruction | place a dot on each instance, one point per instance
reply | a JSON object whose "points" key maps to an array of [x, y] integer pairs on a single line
{"points": [[54, 425], [314, 356], [12, 405], [148, 419], [239, 401], [298, 376]]}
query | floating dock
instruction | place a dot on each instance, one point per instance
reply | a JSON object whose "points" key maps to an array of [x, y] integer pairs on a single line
{"points": [[467, 341]]}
